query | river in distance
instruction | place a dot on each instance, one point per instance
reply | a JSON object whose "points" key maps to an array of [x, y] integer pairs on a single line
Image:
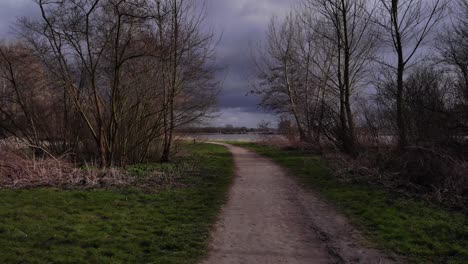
{"points": [[248, 137]]}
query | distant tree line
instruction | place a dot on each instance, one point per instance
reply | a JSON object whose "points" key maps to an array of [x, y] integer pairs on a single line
{"points": [[108, 80], [228, 129]]}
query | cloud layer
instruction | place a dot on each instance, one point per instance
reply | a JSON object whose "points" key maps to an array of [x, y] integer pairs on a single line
{"points": [[243, 24]]}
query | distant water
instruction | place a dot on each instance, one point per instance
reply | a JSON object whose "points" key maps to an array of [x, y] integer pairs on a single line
{"points": [[231, 137]]}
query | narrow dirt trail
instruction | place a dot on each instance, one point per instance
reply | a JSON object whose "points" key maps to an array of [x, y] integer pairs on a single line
{"points": [[270, 219]]}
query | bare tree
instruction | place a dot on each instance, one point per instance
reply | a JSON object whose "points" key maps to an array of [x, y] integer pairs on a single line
{"points": [[453, 47], [346, 27], [407, 24], [189, 89], [133, 71], [279, 72], [20, 94], [31, 109], [85, 44], [315, 62]]}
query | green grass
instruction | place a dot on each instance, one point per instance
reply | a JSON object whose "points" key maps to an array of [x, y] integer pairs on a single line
{"points": [[415, 229], [120, 226]]}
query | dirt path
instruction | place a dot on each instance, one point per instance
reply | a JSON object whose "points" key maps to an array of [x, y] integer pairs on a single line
{"points": [[270, 219]]}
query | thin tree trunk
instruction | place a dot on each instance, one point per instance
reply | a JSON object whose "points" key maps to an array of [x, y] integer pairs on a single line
{"points": [[293, 103], [102, 148], [343, 120], [175, 55], [402, 135], [347, 84]]}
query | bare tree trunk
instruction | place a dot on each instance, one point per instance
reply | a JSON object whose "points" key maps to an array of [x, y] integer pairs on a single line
{"points": [[401, 121], [402, 136], [307, 103], [293, 102], [344, 129], [102, 148], [173, 82], [407, 23], [346, 78]]}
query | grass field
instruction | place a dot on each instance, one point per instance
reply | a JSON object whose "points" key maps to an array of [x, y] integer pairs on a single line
{"points": [[417, 230], [119, 226]]}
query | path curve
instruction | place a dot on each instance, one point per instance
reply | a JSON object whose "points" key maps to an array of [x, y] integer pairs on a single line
{"points": [[269, 219]]}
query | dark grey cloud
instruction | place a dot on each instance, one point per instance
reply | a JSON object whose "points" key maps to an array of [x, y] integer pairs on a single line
{"points": [[242, 25], [233, 98]]}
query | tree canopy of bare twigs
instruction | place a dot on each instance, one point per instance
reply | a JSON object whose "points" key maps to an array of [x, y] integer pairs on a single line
{"points": [[373, 76], [316, 61], [122, 75], [406, 25]]}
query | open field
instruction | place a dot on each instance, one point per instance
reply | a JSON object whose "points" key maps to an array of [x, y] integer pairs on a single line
{"points": [[415, 229], [46, 225]]}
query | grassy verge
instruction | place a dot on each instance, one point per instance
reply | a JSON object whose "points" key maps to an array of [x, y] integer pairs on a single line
{"points": [[117, 226], [422, 232]]}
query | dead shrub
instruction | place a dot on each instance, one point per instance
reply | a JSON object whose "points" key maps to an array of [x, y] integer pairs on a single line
{"points": [[420, 172], [435, 169], [365, 167], [292, 143]]}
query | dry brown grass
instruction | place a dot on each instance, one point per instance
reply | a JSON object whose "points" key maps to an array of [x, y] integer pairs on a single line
{"points": [[292, 142], [19, 170]]}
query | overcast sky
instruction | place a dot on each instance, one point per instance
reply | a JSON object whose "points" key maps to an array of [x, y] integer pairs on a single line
{"points": [[241, 23]]}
